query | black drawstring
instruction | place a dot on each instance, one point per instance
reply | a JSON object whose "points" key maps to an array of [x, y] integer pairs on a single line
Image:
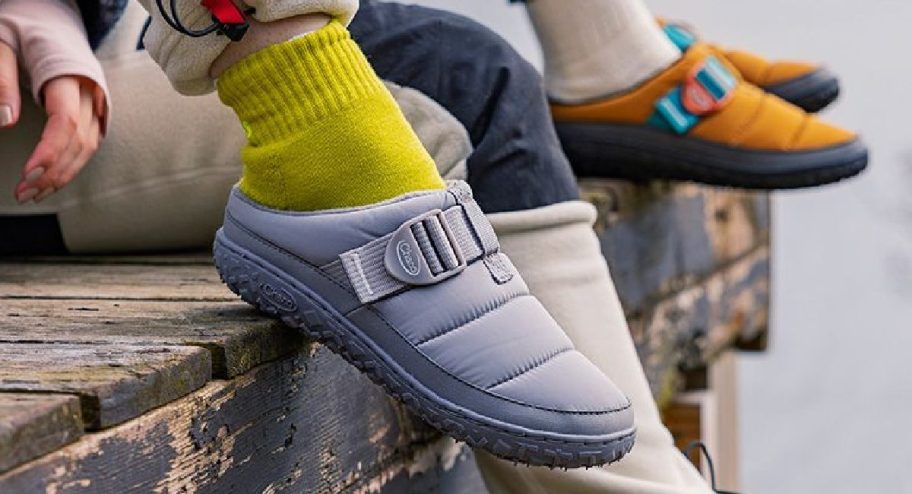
{"points": [[233, 30], [709, 463], [174, 21]]}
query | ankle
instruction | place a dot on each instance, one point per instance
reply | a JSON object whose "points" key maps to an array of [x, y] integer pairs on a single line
{"points": [[288, 87], [323, 131]]}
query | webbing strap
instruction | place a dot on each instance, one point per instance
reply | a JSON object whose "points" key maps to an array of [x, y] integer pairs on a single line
{"points": [[706, 89], [680, 36], [426, 250], [497, 263]]}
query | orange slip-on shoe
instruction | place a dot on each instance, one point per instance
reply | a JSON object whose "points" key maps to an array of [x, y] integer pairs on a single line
{"points": [[806, 85], [699, 121]]}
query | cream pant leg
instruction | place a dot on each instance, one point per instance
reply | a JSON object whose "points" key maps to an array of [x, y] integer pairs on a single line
{"points": [[559, 256]]}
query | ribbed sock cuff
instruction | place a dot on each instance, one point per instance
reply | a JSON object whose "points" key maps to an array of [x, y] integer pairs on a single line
{"points": [[279, 89]]}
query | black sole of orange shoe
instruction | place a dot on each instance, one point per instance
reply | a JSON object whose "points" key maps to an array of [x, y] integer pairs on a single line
{"points": [[640, 153], [812, 92]]}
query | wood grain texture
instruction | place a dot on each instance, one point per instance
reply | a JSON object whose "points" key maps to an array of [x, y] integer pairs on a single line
{"points": [[683, 422], [35, 424], [238, 337], [660, 238], [692, 327], [306, 423], [190, 282], [154, 259], [114, 382]]}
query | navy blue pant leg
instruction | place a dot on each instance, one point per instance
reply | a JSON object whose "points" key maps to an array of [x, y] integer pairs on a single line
{"points": [[480, 79]]}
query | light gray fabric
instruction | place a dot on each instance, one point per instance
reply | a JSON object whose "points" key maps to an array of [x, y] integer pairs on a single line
{"points": [[498, 264], [559, 375], [425, 250], [375, 269], [469, 349], [420, 322], [321, 236], [469, 333]]}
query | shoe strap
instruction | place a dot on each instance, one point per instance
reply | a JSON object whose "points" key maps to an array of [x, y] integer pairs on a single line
{"points": [[706, 89], [426, 250], [680, 36]]}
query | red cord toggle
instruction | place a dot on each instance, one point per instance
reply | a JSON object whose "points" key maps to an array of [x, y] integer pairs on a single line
{"points": [[225, 11]]}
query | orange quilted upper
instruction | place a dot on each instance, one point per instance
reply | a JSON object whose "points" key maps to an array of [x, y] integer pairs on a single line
{"points": [[755, 69], [752, 119], [762, 72]]}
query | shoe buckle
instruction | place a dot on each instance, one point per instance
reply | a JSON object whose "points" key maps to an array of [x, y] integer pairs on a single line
{"points": [[424, 250], [708, 87]]}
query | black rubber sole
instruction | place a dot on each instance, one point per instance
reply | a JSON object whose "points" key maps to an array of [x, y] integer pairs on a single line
{"points": [[248, 276], [812, 92], [640, 153]]}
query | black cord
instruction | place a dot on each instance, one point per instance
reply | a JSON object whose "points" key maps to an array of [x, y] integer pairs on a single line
{"points": [[174, 21], [709, 463]]}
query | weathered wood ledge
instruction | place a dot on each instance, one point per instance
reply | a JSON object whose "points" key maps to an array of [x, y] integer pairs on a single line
{"points": [[145, 374]]}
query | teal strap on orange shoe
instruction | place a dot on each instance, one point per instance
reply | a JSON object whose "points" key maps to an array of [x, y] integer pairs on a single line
{"points": [[680, 36], [706, 89]]}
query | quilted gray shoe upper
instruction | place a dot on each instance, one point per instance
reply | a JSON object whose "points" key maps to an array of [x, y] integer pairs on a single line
{"points": [[422, 277]]}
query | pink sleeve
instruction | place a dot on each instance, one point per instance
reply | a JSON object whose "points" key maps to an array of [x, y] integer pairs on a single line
{"points": [[51, 41]]}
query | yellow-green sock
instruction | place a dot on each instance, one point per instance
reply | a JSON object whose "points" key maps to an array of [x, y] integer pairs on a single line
{"points": [[323, 131]]}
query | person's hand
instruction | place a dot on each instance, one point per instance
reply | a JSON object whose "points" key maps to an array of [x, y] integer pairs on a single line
{"points": [[75, 108]]}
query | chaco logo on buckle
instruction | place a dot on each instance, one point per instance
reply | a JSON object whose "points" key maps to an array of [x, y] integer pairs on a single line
{"points": [[707, 88], [407, 259]]}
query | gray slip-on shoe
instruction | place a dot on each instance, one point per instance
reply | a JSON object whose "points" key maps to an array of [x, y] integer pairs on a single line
{"points": [[416, 293]]}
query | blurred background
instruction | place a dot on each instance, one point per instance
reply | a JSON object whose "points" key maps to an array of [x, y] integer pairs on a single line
{"points": [[825, 408]]}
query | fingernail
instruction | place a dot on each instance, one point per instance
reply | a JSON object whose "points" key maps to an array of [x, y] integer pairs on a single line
{"points": [[6, 115], [34, 175], [26, 195], [44, 193]]}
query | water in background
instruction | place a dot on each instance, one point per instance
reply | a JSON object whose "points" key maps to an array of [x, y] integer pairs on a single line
{"points": [[826, 408]]}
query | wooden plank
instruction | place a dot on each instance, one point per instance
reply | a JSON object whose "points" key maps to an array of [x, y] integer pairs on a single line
{"points": [[35, 424], [114, 382], [112, 281], [237, 335], [158, 259], [306, 423], [440, 468], [693, 326], [683, 420], [660, 238], [724, 426], [710, 416]]}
